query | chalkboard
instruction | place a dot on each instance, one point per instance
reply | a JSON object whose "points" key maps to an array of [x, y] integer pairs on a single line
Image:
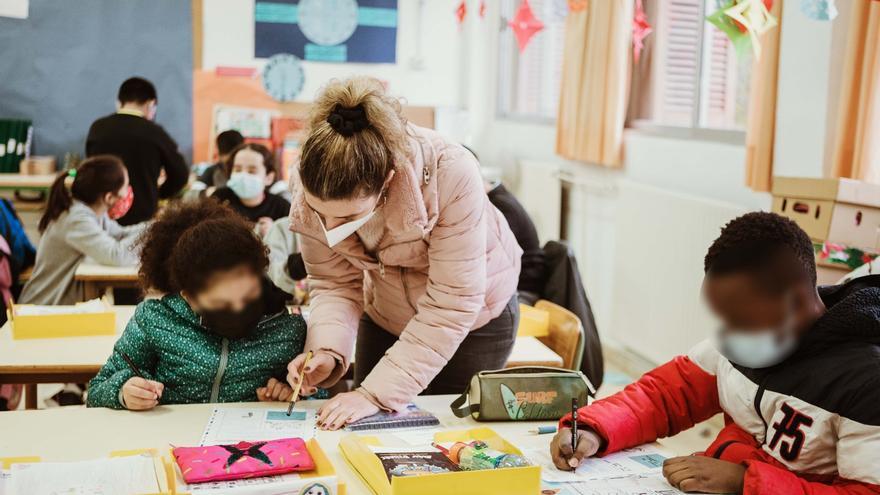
{"points": [[62, 66]]}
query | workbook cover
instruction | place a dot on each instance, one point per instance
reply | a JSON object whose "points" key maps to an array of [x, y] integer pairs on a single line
{"points": [[415, 463], [411, 417]]}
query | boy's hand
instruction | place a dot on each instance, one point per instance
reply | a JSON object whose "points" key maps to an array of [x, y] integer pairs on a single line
{"points": [[588, 443], [704, 474], [275, 390], [139, 394]]}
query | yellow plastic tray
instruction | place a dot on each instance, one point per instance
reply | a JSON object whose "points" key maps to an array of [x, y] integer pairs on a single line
{"points": [[55, 326]]}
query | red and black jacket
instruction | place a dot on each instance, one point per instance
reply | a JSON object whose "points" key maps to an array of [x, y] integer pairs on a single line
{"points": [[809, 425]]}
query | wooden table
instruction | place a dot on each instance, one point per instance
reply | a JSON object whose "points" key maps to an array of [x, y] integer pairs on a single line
{"points": [[62, 360], [99, 279], [78, 359], [79, 433], [20, 182]]}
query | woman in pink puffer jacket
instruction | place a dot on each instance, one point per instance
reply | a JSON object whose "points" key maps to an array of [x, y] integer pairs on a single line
{"points": [[405, 256]]}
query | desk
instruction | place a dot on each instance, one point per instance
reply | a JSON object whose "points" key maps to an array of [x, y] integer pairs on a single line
{"points": [[97, 279], [529, 351], [49, 433], [20, 182], [63, 360]]}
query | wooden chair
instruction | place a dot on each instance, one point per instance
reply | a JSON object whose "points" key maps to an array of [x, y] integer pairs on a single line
{"points": [[566, 334]]}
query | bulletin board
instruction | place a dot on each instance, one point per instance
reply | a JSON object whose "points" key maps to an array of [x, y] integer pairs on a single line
{"points": [[63, 64], [327, 30]]}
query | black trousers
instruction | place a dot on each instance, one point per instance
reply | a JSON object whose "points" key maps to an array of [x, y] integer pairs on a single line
{"points": [[486, 348]]}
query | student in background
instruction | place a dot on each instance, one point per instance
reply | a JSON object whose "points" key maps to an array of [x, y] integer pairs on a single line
{"points": [[142, 145], [251, 171], [795, 374], [286, 266], [217, 318], [215, 176], [80, 221]]}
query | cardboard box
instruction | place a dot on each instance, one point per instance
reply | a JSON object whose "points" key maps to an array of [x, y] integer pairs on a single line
{"points": [[37, 165], [839, 210], [47, 326]]}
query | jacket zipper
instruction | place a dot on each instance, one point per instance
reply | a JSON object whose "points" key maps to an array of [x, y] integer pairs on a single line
{"points": [[757, 404], [406, 289], [221, 369]]}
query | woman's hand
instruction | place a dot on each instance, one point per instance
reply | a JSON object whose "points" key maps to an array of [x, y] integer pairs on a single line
{"points": [[588, 443], [318, 370], [139, 394], [343, 409], [697, 473], [274, 391]]}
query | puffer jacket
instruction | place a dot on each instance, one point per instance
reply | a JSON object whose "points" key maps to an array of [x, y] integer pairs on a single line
{"points": [[446, 264], [807, 426], [167, 342]]}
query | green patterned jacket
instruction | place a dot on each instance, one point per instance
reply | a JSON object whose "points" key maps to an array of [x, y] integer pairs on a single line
{"points": [[167, 342]]}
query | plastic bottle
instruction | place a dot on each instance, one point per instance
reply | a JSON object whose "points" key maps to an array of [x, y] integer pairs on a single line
{"points": [[477, 455]]}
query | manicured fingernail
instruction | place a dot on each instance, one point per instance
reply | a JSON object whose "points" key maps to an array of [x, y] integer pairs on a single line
{"points": [[308, 369]]}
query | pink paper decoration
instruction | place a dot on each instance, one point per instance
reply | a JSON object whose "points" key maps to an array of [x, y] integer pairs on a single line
{"points": [[461, 11], [641, 29], [577, 5], [525, 25], [482, 9]]}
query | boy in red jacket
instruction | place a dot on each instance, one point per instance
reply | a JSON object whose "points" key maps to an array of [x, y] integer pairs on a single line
{"points": [[796, 374]]}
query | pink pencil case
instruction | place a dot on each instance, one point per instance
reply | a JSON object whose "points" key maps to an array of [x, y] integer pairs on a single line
{"points": [[243, 460]]}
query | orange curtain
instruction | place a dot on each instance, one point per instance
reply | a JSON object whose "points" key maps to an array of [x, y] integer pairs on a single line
{"points": [[761, 125], [595, 82], [857, 139]]}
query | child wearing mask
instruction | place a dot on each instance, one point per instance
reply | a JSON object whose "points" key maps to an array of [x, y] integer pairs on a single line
{"points": [[80, 221], [795, 373], [251, 173], [218, 334]]}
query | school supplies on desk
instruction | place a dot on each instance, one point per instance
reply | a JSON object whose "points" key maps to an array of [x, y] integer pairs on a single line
{"points": [[295, 396], [415, 463], [636, 461], [243, 460], [411, 417], [230, 425]]}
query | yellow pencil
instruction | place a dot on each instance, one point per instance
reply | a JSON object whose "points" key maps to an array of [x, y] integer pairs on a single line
{"points": [[302, 373]]}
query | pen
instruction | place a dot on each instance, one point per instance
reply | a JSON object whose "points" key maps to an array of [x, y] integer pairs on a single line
{"points": [[302, 373], [134, 368], [574, 424]]}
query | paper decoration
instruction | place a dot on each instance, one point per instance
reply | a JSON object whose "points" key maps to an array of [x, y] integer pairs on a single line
{"points": [[641, 29], [576, 5], [743, 21], [525, 25], [482, 9], [819, 10], [461, 12]]}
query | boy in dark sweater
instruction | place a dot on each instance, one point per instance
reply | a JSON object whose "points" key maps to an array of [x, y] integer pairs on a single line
{"points": [[144, 147], [215, 176]]}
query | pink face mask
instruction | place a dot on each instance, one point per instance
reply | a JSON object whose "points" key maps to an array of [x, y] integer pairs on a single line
{"points": [[122, 205]]}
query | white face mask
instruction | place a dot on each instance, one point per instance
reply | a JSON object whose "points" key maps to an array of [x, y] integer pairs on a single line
{"points": [[245, 185], [340, 233], [760, 349]]}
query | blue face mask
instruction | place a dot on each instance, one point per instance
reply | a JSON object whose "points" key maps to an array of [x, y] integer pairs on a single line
{"points": [[759, 348], [245, 185]]}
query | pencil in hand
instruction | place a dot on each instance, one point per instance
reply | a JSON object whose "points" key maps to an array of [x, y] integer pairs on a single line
{"points": [[295, 396]]}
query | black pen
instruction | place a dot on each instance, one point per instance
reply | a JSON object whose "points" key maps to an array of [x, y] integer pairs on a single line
{"points": [[134, 368], [574, 425]]}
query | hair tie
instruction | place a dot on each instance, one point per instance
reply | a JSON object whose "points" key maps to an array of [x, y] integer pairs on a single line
{"points": [[71, 176], [348, 121]]}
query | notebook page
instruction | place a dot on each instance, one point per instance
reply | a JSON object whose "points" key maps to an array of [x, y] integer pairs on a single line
{"points": [[111, 476]]}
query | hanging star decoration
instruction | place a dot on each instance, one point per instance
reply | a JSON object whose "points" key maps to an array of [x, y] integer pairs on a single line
{"points": [[525, 25], [641, 29], [483, 9], [576, 5], [743, 21], [461, 11], [819, 10]]}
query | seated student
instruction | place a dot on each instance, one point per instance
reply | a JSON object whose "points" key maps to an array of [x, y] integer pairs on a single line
{"points": [[286, 266], [79, 221], [252, 171], [796, 377], [215, 176], [217, 318]]}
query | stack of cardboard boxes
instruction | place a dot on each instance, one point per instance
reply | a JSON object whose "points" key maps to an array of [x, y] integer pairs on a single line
{"points": [[842, 216]]}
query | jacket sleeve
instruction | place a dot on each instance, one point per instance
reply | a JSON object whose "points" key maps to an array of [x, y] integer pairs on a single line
{"points": [[87, 236], [280, 241], [455, 289], [766, 479], [176, 170], [336, 289], [105, 388], [663, 402]]}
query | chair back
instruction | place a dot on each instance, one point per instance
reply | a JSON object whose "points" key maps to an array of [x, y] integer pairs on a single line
{"points": [[564, 334]]}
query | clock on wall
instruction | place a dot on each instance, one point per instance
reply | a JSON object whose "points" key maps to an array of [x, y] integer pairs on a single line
{"points": [[283, 77], [327, 22]]}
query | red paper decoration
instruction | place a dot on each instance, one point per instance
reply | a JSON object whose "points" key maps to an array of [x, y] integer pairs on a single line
{"points": [[461, 11], [641, 29], [482, 9], [525, 25], [577, 5]]}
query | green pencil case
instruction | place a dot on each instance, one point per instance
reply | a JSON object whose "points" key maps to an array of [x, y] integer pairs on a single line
{"points": [[526, 393]]}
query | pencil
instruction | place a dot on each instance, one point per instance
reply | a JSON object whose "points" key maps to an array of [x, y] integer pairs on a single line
{"points": [[302, 373], [574, 424], [134, 368]]}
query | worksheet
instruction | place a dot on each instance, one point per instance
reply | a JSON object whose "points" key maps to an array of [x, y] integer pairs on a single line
{"points": [[647, 484], [233, 425], [642, 460], [110, 476], [265, 485]]}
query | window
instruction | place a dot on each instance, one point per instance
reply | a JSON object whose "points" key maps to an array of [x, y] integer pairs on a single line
{"points": [[689, 76], [529, 82]]}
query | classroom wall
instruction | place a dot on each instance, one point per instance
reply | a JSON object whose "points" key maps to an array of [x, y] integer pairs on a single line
{"points": [[62, 66], [428, 51]]}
